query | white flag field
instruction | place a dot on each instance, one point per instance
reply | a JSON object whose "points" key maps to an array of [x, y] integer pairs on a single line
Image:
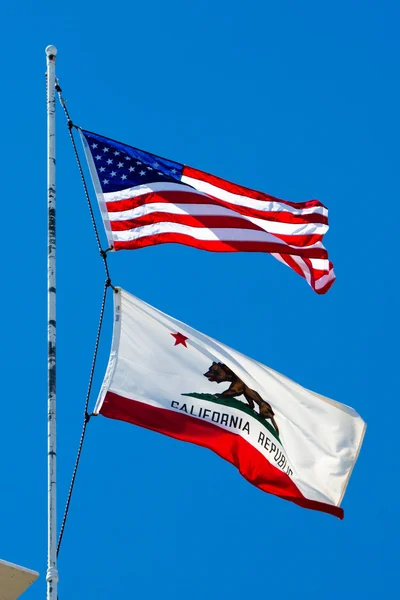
{"points": [[284, 439]]}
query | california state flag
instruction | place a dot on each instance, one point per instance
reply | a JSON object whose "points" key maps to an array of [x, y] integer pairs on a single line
{"points": [[283, 438]]}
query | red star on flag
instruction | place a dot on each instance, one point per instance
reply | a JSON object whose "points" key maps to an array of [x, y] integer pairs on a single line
{"points": [[179, 339]]}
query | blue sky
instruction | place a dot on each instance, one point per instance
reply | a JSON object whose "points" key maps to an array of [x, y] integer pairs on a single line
{"points": [[299, 100]]}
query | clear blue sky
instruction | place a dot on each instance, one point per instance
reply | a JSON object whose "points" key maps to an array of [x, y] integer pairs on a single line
{"points": [[298, 99]]}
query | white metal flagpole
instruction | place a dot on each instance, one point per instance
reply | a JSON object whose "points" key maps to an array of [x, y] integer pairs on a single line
{"points": [[52, 573]]}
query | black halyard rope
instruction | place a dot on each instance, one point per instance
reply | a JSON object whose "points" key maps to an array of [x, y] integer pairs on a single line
{"points": [[87, 417], [71, 126], [107, 284]]}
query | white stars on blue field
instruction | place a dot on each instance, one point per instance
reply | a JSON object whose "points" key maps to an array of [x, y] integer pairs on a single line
{"points": [[119, 166]]}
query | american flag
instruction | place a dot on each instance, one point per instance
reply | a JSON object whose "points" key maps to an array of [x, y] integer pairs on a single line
{"points": [[146, 200]]}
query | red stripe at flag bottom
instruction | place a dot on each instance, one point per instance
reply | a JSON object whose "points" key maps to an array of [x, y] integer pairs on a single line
{"points": [[231, 447]]}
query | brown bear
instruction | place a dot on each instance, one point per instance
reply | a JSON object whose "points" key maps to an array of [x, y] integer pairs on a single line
{"points": [[219, 373]]}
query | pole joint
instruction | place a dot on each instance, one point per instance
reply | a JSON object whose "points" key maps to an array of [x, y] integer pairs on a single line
{"points": [[52, 574]]}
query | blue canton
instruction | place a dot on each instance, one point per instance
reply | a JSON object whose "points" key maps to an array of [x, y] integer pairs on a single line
{"points": [[119, 166]]}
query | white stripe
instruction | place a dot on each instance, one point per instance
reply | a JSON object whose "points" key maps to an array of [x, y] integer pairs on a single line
{"points": [[174, 209], [203, 233], [217, 211], [206, 189], [273, 206], [141, 190], [321, 264]]}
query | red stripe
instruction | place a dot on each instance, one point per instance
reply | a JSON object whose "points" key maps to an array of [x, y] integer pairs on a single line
{"points": [[185, 197], [214, 222], [316, 274], [243, 191], [329, 284], [218, 245], [232, 447], [321, 273], [326, 287], [202, 221], [210, 222]]}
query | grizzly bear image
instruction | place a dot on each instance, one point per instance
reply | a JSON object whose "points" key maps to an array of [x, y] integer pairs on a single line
{"points": [[219, 373]]}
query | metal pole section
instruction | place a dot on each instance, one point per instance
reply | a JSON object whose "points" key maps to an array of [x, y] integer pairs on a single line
{"points": [[52, 573]]}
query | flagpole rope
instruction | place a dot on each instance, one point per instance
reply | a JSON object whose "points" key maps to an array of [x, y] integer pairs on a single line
{"points": [[71, 126], [107, 284], [87, 416]]}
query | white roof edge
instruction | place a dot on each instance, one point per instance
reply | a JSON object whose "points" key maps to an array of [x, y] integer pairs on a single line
{"points": [[15, 580], [12, 565]]}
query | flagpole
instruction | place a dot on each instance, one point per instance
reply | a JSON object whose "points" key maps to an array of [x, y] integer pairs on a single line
{"points": [[52, 573]]}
